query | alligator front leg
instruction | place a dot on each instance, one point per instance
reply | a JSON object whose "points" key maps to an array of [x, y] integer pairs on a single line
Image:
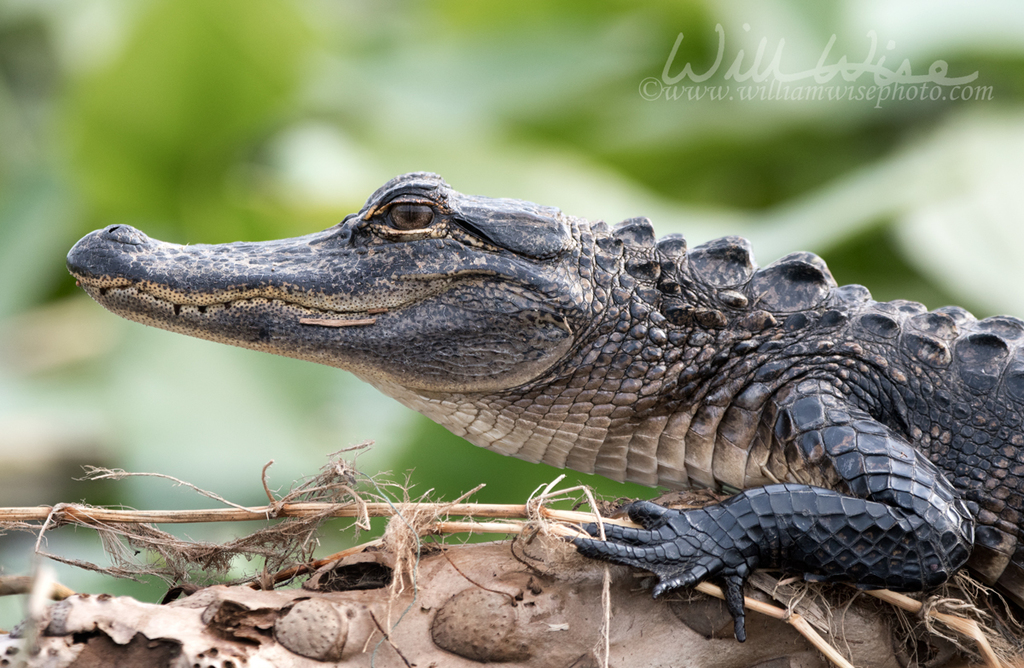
{"points": [[897, 523]]}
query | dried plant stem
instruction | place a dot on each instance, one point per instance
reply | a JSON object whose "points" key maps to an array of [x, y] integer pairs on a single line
{"points": [[82, 514], [792, 618], [22, 584], [289, 573], [967, 627], [475, 527]]}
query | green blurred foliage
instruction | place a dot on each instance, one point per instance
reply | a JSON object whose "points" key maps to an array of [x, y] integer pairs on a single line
{"points": [[453, 466], [158, 134], [757, 172], [871, 258], [207, 122]]}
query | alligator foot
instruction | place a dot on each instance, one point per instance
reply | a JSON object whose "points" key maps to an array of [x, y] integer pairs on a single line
{"points": [[682, 549]]}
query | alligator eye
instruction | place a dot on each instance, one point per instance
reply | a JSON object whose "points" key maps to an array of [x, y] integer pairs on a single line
{"points": [[411, 216]]}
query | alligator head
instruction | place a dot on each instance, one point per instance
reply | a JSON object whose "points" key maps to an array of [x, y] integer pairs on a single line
{"points": [[423, 290]]}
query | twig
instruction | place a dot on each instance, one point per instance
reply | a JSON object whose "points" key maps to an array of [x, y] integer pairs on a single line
{"points": [[320, 563], [476, 527], [967, 627], [606, 585], [384, 633], [794, 619], [451, 562], [266, 488], [41, 587], [84, 514], [11, 585], [46, 523], [468, 494], [98, 473]]}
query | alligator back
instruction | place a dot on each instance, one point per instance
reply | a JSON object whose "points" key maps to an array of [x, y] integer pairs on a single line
{"points": [[951, 385]]}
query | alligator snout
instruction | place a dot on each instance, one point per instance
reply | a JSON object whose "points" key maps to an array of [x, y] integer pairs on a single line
{"points": [[123, 234], [102, 252]]}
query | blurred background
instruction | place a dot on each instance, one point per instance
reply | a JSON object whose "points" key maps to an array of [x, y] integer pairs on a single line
{"points": [[209, 122]]}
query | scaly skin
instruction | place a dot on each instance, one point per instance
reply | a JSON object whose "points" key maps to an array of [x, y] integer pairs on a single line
{"points": [[878, 443]]}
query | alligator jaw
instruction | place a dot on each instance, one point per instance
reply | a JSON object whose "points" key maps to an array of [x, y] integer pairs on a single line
{"points": [[121, 263], [132, 274]]}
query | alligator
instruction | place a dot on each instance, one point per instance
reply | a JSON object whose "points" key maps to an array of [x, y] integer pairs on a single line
{"points": [[876, 443]]}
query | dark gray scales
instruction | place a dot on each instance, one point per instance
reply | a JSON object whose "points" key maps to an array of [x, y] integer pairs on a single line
{"points": [[875, 443]]}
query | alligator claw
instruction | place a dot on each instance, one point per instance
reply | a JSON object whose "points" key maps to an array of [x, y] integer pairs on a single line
{"points": [[621, 534], [619, 553], [646, 514], [734, 604], [681, 548]]}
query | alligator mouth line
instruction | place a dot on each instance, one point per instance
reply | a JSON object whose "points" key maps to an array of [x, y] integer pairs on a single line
{"points": [[323, 322], [307, 315], [206, 304], [341, 322]]}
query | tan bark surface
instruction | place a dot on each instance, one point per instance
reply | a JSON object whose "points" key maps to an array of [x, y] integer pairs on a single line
{"points": [[523, 603]]}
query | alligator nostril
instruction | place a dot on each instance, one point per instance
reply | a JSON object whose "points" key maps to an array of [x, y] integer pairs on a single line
{"points": [[124, 234]]}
